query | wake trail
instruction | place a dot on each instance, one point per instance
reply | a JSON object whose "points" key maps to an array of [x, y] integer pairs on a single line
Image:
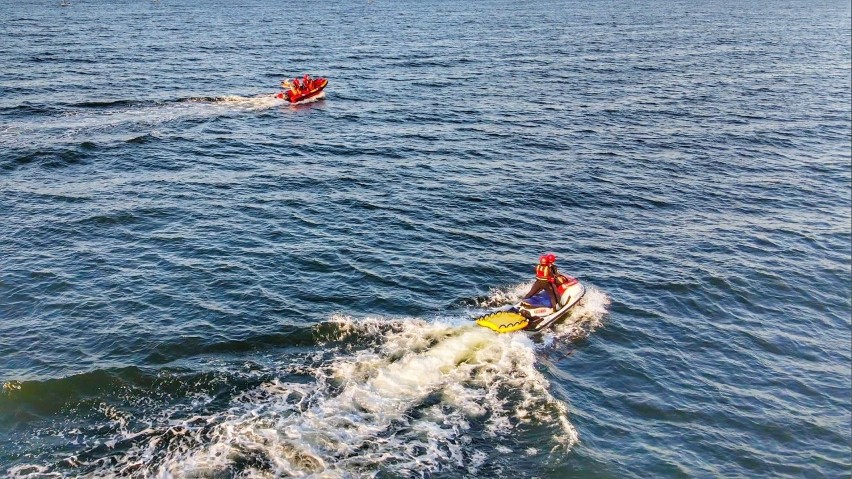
{"points": [[404, 397], [408, 405], [123, 120]]}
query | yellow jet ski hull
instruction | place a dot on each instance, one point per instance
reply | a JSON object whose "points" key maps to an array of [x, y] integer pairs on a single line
{"points": [[535, 314], [503, 321]]}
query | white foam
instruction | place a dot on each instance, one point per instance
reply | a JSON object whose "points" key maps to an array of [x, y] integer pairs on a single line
{"points": [[247, 103], [584, 318], [408, 398], [112, 122], [26, 471], [505, 295]]}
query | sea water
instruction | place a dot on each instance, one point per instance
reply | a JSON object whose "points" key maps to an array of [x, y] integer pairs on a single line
{"points": [[199, 280]]}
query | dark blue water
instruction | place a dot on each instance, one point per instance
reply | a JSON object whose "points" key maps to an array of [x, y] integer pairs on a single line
{"points": [[198, 280]]}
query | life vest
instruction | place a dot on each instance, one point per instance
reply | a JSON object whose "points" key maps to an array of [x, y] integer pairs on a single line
{"points": [[543, 272]]}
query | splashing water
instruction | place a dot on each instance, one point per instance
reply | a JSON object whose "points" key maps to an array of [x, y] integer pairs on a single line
{"points": [[407, 406], [245, 103], [403, 397], [585, 317]]}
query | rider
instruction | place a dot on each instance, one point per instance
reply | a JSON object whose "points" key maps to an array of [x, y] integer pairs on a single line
{"points": [[308, 81], [545, 278]]}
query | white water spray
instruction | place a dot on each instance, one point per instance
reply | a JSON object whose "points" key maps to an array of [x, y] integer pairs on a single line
{"points": [[400, 397]]}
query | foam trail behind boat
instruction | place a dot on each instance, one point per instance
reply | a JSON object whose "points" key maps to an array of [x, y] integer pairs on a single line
{"points": [[412, 399], [247, 103], [406, 406], [372, 396], [121, 120]]}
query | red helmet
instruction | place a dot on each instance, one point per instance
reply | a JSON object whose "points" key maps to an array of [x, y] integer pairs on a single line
{"points": [[547, 259]]}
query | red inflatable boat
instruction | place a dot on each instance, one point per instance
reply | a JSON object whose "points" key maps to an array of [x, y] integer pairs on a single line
{"points": [[316, 87]]}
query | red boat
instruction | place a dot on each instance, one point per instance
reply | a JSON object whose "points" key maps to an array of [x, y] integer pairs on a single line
{"points": [[315, 89]]}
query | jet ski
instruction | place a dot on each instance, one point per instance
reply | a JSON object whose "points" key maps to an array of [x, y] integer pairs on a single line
{"points": [[315, 89], [535, 313]]}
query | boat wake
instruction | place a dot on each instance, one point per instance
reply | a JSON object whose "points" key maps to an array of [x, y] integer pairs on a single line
{"points": [[411, 404], [245, 103], [373, 396], [113, 122]]}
